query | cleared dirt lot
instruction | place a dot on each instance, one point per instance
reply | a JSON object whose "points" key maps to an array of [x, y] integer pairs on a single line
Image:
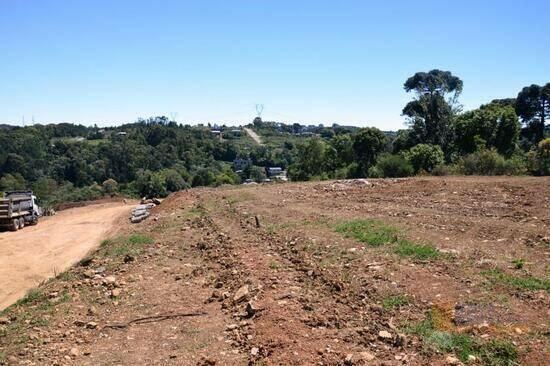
{"points": [[36, 253], [459, 269]]}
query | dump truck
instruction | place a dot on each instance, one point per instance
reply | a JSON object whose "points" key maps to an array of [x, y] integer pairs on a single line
{"points": [[19, 208]]}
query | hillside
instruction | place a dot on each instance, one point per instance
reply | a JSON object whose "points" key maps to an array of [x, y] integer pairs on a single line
{"points": [[397, 271]]}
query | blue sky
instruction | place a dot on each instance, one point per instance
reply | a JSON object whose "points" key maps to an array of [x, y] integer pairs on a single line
{"points": [[318, 61]]}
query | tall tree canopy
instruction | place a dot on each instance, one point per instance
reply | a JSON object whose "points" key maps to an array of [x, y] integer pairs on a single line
{"points": [[494, 125], [368, 143], [431, 113], [533, 106]]}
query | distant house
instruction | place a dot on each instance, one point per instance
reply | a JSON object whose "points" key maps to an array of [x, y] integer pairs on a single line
{"points": [[276, 173], [216, 132], [122, 133], [240, 164]]}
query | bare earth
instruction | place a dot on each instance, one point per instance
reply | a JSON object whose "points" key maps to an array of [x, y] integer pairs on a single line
{"points": [[294, 291], [254, 136], [36, 253]]}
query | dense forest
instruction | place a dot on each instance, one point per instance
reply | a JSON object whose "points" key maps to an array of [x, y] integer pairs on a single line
{"points": [[67, 162]]}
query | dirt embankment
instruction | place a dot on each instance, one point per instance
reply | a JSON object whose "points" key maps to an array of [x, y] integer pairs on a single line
{"points": [[36, 253]]}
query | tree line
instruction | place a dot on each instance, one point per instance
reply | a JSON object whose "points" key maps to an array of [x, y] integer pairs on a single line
{"points": [[505, 136], [153, 157]]}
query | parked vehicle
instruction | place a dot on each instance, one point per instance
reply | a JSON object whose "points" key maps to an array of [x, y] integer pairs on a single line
{"points": [[19, 208]]}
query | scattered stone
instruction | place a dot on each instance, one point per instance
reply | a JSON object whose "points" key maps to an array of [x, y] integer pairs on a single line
{"points": [[115, 292], [4, 320], [74, 352], [366, 356], [451, 360], [254, 351], [471, 358], [92, 311], [241, 294], [349, 359], [89, 273], [383, 334], [232, 327], [91, 325], [109, 280]]}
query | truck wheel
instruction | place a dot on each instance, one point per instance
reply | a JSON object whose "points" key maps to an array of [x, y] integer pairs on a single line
{"points": [[34, 220], [14, 225], [21, 222]]}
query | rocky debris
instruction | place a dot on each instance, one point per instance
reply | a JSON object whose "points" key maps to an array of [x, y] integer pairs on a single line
{"points": [[384, 334], [366, 356], [241, 294], [451, 360]]}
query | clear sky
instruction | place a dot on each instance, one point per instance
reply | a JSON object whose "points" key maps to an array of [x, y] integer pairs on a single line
{"points": [[112, 61]]}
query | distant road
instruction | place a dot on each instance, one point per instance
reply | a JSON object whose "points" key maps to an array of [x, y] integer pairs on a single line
{"points": [[254, 136], [35, 253]]}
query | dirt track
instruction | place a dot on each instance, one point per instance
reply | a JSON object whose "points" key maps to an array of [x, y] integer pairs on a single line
{"points": [[254, 136], [36, 253]]}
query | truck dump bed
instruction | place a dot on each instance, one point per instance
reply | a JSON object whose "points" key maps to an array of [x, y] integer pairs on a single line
{"points": [[15, 204]]}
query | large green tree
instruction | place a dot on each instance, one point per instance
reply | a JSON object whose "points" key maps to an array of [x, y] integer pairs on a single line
{"points": [[493, 125], [368, 143], [533, 106], [431, 113]]}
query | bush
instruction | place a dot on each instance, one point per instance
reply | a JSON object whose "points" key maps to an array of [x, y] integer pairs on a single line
{"points": [[539, 158], [109, 186], [203, 177], [425, 157], [174, 180], [393, 166], [490, 162], [374, 172], [150, 184], [442, 170]]}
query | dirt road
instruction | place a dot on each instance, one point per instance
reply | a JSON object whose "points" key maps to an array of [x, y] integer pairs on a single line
{"points": [[36, 253], [254, 136]]}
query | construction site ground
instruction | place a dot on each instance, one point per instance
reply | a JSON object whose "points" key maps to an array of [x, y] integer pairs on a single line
{"points": [[419, 271]]}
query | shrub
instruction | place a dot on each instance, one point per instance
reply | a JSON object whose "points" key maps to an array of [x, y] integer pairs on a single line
{"points": [[174, 180], [109, 186], [394, 166], [374, 172], [425, 157], [539, 158], [442, 170], [490, 162]]}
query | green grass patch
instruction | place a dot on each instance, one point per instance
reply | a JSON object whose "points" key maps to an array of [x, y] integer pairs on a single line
{"points": [[406, 248], [492, 353], [32, 296], [126, 245], [529, 283], [518, 263], [371, 232], [375, 234], [394, 301]]}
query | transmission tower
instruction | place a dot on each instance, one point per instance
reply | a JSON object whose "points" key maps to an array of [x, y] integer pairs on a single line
{"points": [[173, 116], [259, 110]]}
